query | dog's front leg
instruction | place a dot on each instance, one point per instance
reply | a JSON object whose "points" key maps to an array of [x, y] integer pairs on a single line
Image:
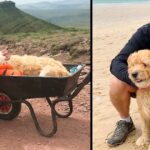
{"points": [[145, 137]]}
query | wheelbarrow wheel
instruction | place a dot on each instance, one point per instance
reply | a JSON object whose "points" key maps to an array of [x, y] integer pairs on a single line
{"points": [[8, 111]]}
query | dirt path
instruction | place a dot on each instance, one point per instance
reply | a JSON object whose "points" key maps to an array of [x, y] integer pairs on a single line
{"points": [[73, 132]]}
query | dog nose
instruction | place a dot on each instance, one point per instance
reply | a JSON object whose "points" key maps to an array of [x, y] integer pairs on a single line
{"points": [[135, 74]]}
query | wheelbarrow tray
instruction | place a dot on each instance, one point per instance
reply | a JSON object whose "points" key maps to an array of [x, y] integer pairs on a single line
{"points": [[22, 87], [16, 90]]}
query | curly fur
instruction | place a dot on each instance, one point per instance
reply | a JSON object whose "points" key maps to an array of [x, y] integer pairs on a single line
{"points": [[139, 73], [33, 65]]}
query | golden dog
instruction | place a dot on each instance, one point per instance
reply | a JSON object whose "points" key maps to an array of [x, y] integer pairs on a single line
{"points": [[36, 66], [139, 73]]}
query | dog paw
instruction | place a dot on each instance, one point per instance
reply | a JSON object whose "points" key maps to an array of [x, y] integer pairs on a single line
{"points": [[142, 141]]}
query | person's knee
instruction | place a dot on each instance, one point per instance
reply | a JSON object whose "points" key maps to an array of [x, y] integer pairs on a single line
{"points": [[117, 87]]}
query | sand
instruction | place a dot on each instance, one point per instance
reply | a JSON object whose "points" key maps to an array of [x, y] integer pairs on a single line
{"points": [[113, 25]]}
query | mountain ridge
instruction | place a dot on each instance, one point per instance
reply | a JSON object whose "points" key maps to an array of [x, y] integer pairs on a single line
{"points": [[62, 13], [13, 20]]}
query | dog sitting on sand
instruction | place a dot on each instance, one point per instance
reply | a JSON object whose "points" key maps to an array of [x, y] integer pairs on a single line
{"points": [[36, 66], [139, 73]]}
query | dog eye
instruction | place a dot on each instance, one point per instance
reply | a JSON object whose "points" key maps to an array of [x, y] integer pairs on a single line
{"points": [[145, 65]]}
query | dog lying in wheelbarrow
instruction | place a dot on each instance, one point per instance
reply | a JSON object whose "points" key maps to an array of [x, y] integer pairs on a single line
{"points": [[33, 65]]}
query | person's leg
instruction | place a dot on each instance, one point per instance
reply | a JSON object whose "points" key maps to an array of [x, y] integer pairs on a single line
{"points": [[120, 98]]}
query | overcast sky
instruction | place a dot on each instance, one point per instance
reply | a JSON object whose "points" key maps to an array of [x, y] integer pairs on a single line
{"points": [[31, 1]]}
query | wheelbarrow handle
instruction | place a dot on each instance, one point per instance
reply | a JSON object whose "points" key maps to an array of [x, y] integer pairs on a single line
{"points": [[80, 86]]}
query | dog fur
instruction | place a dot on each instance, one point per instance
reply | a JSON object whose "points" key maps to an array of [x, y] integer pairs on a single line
{"points": [[139, 73], [37, 66]]}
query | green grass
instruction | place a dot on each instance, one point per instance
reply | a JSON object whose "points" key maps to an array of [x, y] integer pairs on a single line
{"points": [[12, 20], [72, 42], [24, 34]]}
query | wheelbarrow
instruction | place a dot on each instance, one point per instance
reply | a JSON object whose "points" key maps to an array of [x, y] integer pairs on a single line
{"points": [[15, 90]]}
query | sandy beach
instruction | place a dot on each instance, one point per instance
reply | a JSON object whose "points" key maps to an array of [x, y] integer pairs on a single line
{"points": [[113, 25]]}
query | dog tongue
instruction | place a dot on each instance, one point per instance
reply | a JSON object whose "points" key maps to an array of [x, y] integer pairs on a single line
{"points": [[138, 80]]}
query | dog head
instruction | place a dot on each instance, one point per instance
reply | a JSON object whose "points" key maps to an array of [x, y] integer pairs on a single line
{"points": [[139, 68]]}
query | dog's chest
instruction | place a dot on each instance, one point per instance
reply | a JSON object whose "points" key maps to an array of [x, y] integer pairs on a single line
{"points": [[143, 100]]}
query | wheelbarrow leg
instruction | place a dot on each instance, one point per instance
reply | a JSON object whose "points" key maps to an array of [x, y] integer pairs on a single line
{"points": [[70, 105], [70, 97], [36, 123], [81, 85]]}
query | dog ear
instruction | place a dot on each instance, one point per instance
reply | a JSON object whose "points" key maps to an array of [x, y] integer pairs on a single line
{"points": [[129, 59], [132, 58], [145, 57]]}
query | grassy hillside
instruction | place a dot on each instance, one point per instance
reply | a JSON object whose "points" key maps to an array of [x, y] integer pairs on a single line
{"points": [[75, 44], [13, 20], [24, 34]]}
